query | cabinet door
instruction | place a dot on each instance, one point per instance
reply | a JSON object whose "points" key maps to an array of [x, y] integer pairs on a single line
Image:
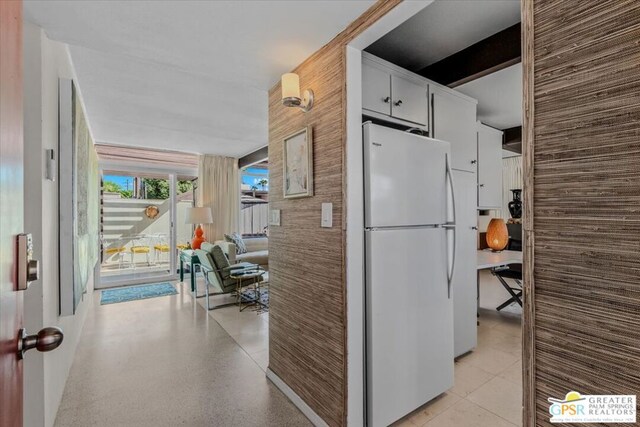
{"points": [[454, 121], [376, 89], [489, 167], [464, 282], [410, 101]]}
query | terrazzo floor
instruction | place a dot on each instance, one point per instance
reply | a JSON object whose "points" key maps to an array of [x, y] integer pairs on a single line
{"points": [[165, 362]]}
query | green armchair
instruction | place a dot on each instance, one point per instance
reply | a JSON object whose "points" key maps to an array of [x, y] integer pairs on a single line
{"points": [[217, 272]]}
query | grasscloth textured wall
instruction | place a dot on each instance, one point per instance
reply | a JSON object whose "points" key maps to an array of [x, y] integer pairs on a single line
{"points": [[307, 326], [582, 169]]}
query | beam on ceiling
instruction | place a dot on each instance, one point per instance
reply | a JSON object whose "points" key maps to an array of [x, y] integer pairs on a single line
{"points": [[487, 56], [512, 139], [255, 157]]}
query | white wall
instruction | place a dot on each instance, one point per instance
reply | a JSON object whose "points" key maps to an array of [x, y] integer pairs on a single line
{"points": [[511, 179], [45, 374]]}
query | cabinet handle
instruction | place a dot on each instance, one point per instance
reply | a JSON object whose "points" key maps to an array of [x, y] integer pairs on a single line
{"points": [[398, 103], [473, 162], [481, 185], [386, 100], [474, 228]]}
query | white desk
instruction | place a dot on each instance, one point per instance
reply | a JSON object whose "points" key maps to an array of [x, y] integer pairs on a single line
{"points": [[489, 259]]}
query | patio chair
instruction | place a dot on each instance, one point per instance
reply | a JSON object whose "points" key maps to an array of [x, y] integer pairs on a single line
{"points": [[160, 246], [217, 270], [140, 246], [115, 248]]}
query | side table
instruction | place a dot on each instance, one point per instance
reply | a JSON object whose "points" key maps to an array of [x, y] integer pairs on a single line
{"points": [[189, 256], [241, 277]]}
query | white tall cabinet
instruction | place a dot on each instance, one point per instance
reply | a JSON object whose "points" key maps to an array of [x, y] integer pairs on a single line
{"points": [[489, 167], [454, 120], [464, 286]]}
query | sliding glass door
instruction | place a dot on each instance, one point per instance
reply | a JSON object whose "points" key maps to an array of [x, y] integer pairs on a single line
{"points": [[140, 237]]}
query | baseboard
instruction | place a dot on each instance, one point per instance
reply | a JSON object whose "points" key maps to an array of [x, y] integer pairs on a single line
{"points": [[296, 400]]}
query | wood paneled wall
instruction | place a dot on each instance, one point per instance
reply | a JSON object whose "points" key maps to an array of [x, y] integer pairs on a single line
{"points": [[307, 326], [582, 204]]}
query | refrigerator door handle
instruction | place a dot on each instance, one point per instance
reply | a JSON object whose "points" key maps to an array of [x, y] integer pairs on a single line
{"points": [[450, 225]]}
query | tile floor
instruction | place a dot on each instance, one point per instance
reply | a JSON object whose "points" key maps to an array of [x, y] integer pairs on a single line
{"points": [[488, 381]]}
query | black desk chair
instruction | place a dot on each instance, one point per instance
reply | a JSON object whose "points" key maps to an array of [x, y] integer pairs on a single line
{"points": [[512, 271]]}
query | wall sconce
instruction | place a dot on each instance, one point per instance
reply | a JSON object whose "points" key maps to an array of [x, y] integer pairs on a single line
{"points": [[291, 93]]}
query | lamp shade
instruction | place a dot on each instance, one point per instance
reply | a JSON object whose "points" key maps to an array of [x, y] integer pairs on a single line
{"points": [[290, 86], [497, 234], [198, 216]]}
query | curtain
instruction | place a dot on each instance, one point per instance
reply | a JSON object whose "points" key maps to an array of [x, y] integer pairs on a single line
{"points": [[219, 189], [511, 180]]}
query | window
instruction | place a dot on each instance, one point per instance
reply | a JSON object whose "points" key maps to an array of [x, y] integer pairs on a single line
{"points": [[254, 199]]}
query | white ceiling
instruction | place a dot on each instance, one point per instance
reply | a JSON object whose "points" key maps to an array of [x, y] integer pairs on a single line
{"points": [[499, 97], [187, 75], [444, 28]]}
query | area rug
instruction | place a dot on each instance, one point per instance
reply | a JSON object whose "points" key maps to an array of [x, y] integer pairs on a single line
{"points": [[249, 295], [133, 293]]}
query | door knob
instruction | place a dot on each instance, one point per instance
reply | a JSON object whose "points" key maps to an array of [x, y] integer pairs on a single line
{"points": [[46, 339]]}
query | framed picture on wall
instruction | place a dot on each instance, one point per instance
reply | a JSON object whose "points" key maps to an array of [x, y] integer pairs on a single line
{"points": [[298, 164]]}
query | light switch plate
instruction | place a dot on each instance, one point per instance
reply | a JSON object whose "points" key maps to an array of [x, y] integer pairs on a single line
{"points": [[327, 215], [275, 217]]}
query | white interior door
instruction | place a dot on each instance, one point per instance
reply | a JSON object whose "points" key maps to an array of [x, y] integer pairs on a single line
{"points": [[405, 178], [409, 321]]}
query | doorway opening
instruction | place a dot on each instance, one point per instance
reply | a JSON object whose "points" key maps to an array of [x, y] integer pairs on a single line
{"points": [[421, 73], [254, 200]]}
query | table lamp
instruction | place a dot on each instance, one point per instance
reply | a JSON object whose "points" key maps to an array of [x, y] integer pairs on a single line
{"points": [[198, 216], [497, 234]]}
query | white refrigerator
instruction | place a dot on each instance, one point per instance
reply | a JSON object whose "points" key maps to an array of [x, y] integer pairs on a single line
{"points": [[410, 238]]}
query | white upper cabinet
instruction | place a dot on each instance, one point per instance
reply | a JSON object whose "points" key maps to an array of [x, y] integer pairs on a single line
{"points": [[489, 167], [454, 120], [393, 95], [409, 100], [376, 89]]}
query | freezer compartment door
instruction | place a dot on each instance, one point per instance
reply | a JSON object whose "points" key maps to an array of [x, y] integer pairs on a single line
{"points": [[405, 178], [409, 321]]}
